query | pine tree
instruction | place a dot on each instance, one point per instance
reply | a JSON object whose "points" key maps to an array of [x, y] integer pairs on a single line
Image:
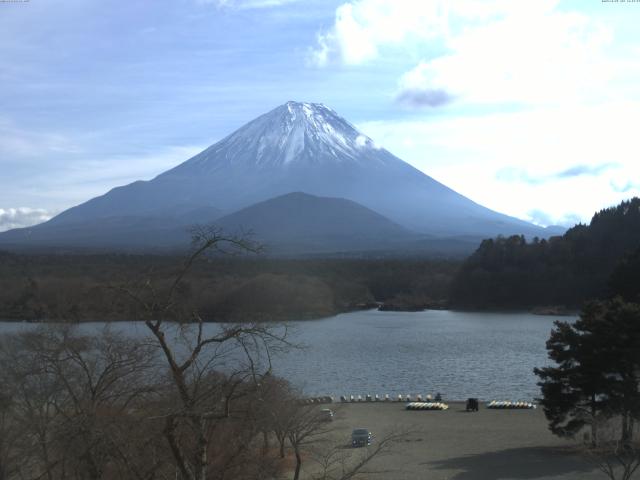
{"points": [[597, 372]]}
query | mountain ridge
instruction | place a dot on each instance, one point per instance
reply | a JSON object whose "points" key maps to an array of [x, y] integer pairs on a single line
{"points": [[299, 147], [302, 222]]}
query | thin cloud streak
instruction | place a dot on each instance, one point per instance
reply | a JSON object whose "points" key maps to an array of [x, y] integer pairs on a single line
{"points": [[579, 170], [425, 97], [510, 174], [625, 187]]}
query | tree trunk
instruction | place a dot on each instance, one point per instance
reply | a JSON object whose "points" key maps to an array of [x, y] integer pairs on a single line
{"points": [[627, 428], [594, 422], [169, 433], [281, 441], [93, 470], [296, 474], [202, 449]]}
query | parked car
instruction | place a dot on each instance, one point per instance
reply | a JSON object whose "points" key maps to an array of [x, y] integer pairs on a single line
{"points": [[326, 414], [361, 437]]}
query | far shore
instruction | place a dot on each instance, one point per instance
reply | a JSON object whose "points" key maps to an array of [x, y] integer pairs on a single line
{"points": [[555, 311]]}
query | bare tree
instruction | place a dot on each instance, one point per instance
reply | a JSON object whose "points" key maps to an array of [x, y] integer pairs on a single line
{"points": [[271, 412], [615, 455], [340, 463], [75, 397], [209, 368], [7, 433], [93, 406], [279, 408], [35, 394], [306, 426]]}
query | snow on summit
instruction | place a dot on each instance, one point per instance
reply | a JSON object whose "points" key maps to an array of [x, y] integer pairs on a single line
{"points": [[292, 133], [308, 148]]}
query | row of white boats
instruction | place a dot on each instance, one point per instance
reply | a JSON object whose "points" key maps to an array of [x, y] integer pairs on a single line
{"points": [[387, 398], [427, 406], [493, 404], [430, 403], [510, 405]]}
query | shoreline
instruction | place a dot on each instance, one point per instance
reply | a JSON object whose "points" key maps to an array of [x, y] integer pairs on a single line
{"points": [[310, 317]]}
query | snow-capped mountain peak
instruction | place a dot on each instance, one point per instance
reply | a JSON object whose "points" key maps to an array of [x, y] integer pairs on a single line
{"points": [[293, 133], [301, 147]]}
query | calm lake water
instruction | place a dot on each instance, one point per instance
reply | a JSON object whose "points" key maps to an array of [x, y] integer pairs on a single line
{"points": [[460, 354]]}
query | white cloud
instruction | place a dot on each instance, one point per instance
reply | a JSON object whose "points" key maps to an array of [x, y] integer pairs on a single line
{"points": [[491, 52], [361, 28], [546, 57], [581, 158], [538, 91], [22, 217], [361, 141], [544, 219]]}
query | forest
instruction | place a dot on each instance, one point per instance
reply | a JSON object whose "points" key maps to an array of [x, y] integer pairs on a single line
{"points": [[589, 261], [249, 287]]}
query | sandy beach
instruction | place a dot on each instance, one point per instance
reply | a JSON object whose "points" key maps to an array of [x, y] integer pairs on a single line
{"points": [[459, 445]]}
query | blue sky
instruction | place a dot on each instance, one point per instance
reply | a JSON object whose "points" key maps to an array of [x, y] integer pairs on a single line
{"points": [[529, 107]]}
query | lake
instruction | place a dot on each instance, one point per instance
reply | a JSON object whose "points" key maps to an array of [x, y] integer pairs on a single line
{"points": [[460, 354]]}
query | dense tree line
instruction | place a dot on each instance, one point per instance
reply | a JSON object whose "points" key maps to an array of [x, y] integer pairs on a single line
{"points": [[515, 273], [589, 261], [79, 287]]}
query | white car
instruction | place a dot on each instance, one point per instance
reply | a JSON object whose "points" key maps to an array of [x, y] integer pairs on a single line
{"points": [[326, 414]]}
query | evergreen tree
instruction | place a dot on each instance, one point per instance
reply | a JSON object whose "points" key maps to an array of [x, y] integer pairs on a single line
{"points": [[509, 272], [597, 372], [625, 279]]}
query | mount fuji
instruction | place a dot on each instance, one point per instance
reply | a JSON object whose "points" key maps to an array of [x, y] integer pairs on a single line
{"points": [[297, 147]]}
